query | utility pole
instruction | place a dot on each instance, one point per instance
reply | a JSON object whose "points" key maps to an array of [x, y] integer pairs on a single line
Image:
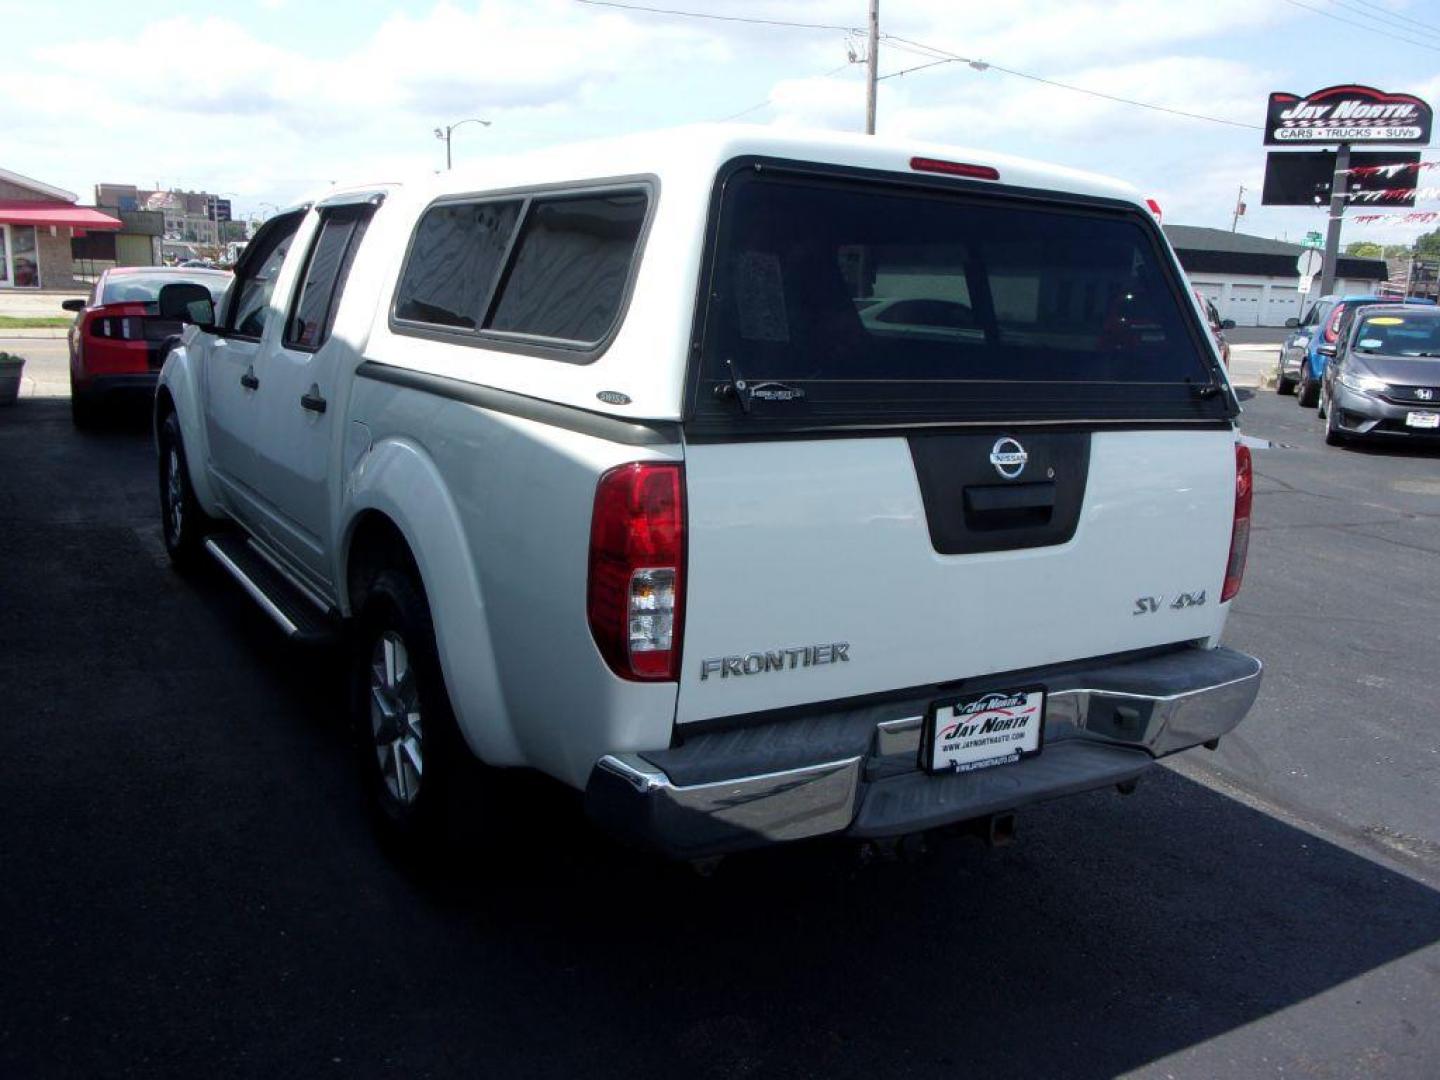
{"points": [[1337, 211], [1239, 208], [872, 64]]}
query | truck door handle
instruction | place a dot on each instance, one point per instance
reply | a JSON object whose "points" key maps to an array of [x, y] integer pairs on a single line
{"points": [[249, 381], [312, 401]]}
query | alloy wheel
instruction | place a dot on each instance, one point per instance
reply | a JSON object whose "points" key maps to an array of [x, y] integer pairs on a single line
{"points": [[395, 721], [174, 494]]}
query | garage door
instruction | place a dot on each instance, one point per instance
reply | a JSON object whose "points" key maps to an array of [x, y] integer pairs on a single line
{"points": [[1282, 304], [1210, 292], [1244, 305]]}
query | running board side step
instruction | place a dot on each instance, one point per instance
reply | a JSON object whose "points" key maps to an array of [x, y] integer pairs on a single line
{"points": [[289, 605]]}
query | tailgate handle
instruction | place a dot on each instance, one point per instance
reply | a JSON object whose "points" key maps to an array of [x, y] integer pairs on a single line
{"points": [[1009, 506]]}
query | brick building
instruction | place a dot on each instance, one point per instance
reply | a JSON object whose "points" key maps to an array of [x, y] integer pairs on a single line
{"points": [[37, 223]]}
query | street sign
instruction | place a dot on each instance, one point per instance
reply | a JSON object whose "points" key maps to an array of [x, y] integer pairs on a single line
{"points": [[1308, 265], [1347, 114], [1312, 240]]}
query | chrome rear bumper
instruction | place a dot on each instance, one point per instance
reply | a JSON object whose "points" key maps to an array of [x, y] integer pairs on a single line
{"points": [[855, 770]]}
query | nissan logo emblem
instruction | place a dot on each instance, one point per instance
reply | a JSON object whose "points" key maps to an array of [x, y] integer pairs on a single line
{"points": [[1008, 457]]}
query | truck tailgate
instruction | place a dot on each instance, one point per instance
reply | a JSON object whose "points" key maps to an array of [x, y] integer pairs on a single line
{"points": [[815, 572]]}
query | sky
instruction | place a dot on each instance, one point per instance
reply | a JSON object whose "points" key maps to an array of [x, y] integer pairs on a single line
{"points": [[268, 101]]}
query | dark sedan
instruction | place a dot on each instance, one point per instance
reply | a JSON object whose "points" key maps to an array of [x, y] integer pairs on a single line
{"points": [[1383, 378]]}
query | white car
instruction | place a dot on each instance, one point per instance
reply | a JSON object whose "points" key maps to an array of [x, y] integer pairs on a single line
{"points": [[597, 458]]}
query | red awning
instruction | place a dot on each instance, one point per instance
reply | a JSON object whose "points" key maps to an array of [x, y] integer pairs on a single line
{"points": [[22, 212]]}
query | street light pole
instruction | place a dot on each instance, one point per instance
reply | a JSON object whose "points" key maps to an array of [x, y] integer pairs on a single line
{"points": [[444, 133]]}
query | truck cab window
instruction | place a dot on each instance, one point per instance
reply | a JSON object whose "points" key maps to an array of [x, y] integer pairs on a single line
{"points": [[255, 280]]}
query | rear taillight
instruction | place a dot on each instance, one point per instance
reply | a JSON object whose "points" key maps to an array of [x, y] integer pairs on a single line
{"points": [[1332, 328], [636, 594], [122, 327], [1240, 531]]}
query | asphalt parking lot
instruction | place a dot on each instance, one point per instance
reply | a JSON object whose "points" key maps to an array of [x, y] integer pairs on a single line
{"points": [[188, 884]]}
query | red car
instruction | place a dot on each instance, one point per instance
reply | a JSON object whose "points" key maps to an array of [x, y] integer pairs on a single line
{"points": [[118, 341]]}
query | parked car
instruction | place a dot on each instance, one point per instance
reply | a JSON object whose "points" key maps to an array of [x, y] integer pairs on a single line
{"points": [[1300, 367], [119, 338], [1217, 325], [1384, 378], [626, 489]]}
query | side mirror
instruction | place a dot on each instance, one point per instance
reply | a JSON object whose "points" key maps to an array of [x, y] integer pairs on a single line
{"points": [[77, 304], [187, 302], [1291, 324], [1227, 324], [1326, 349]]}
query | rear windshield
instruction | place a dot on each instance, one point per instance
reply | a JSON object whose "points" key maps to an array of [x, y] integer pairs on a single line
{"points": [[837, 301], [145, 288]]}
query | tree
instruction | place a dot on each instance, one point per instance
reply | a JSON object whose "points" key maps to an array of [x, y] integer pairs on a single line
{"points": [[1365, 249], [1427, 245]]}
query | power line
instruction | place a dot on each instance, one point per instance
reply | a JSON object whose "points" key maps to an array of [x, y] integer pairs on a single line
{"points": [[1390, 23], [1407, 18], [917, 67], [721, 18], [1364, 26], [982, 65]]}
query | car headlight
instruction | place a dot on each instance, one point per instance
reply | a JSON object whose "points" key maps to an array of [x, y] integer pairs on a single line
{"points": [[1300, 341], [1365, 384]]}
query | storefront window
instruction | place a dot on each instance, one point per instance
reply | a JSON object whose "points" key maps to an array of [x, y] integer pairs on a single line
{"points": [[25, 256]]}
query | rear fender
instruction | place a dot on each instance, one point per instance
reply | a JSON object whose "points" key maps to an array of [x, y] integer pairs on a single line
{"points": [[179, 380], [398, 479]]}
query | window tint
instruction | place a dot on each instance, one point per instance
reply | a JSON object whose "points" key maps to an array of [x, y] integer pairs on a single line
{"points": [[875, 302], [325, 273], [571, 263], [250, 308], [453, 262]]}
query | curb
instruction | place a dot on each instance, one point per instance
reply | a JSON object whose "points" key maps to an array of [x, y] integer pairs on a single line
{"points": [[45, 332]]}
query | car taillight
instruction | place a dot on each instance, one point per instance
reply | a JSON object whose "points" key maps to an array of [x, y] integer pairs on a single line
{"points": [[123, 327], [1332, 328], [1240, 531], [635, 599]]}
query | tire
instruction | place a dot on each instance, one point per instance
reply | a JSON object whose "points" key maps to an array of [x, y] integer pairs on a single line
{"points": [[182, 523], [1307, 392], [412, 758], [1283, 386], [1333, 435], [84, 409], [1322, 405]]}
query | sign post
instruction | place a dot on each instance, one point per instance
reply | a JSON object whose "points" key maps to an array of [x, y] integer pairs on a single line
{"points": [[1337, 211]]}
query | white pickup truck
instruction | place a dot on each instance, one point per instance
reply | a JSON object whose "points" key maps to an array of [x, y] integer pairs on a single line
{"points": [[758, 485]]}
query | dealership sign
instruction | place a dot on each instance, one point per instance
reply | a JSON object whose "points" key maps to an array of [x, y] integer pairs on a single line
{"points": [[1347, 114]]}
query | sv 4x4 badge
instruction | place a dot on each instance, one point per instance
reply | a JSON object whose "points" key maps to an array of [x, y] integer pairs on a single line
{"points": [[1148, 605]]}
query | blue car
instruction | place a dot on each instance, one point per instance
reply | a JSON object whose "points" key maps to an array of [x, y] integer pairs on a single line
{"points": [[1301, 366]]}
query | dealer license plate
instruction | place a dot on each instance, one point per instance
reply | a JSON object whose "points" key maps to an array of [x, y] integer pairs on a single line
{"points": [[984, 730], [1423, 419]]}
